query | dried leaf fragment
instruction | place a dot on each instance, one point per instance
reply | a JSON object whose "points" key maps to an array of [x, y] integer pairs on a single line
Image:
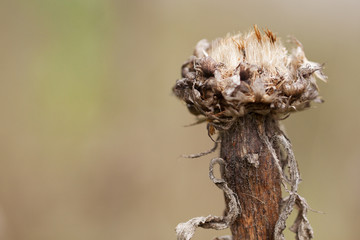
{"points": [[185, 231]]}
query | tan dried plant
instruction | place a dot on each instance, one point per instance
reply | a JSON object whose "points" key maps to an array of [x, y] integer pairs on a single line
{"points": [[243, 85]]}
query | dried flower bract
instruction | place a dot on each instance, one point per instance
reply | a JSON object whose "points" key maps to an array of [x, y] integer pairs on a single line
{"points": [[240, 74]]}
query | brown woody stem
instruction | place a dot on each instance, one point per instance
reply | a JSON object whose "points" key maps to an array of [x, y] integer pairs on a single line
{"points": [[253, 174]]}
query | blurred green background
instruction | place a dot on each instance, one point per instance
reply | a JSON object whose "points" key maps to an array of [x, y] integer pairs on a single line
{"points": [[91, 134]]}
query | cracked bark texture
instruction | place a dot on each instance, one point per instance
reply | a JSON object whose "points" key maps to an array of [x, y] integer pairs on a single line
{"points": [[251, 172]]}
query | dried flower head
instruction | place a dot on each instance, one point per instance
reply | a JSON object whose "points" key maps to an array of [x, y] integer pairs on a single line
{"points": [[240, 74]]}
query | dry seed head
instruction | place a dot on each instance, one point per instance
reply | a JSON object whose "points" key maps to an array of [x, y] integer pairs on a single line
{"points": [[245, 73]]}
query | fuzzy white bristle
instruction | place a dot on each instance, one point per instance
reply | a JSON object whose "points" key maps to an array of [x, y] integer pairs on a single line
{"points": [[252, 48]]}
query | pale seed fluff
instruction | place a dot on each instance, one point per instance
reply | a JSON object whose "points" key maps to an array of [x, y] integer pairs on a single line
{"points": [[233, 50]]}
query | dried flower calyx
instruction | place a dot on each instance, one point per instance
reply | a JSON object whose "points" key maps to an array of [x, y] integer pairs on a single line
{"points": [[241, 74]]}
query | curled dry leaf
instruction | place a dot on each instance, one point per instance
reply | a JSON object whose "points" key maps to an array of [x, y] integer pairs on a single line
{"points": [[185, 231]]}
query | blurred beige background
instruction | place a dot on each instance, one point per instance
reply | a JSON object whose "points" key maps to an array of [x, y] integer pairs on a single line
{"points": [[91, 134]]}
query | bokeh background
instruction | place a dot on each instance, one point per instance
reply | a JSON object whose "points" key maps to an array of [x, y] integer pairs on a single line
{"points": [[91, 134]]}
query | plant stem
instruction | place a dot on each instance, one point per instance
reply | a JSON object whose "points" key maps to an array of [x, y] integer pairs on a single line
{"points": [[253, 174]]}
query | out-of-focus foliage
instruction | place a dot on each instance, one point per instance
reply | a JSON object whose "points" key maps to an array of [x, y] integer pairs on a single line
{"points": [[91, 134]]}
